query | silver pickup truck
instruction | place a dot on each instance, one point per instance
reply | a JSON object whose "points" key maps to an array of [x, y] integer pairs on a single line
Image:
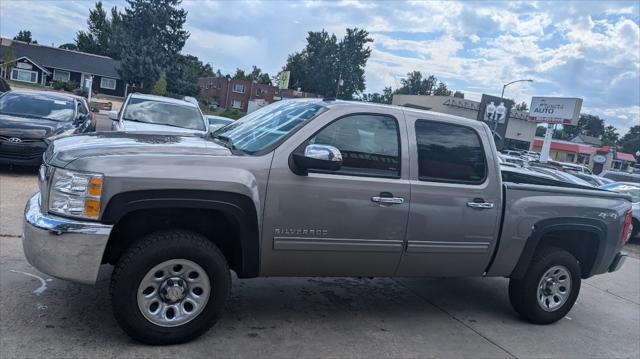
{"points": [[310, 188]]}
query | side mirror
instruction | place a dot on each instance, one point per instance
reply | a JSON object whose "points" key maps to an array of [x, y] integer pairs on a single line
{"points": [[113, 115], [80, 119], [319, 157]]}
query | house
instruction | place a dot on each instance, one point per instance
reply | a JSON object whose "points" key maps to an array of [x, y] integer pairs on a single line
{"points": [[595, 157], [587, 140], [243, 95], [40, 64]]}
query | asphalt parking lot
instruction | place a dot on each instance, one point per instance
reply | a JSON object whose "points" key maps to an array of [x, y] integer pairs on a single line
{"points": [[313, 317]]}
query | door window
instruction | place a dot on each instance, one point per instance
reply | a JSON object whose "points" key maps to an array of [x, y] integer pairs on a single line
{"points": [[449, 153], [369, 145]]}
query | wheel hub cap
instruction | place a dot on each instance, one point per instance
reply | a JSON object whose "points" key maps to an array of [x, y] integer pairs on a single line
{"points": [[554, 288], [173, 292]]}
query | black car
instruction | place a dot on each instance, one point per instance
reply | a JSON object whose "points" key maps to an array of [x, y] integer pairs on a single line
{"points": [[30, 119]]}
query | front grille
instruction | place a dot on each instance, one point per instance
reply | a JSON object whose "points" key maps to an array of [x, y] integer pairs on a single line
{"points": [[22, 140]]}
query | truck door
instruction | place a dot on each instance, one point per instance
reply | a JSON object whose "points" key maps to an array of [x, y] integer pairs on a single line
{"points": [[455, 198], [347, 222]]}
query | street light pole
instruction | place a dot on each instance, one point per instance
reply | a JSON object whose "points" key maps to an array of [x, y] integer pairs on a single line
{"points": [[513, 82]]}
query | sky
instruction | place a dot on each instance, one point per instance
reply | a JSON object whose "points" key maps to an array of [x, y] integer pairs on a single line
{"points": [[586, 49]]}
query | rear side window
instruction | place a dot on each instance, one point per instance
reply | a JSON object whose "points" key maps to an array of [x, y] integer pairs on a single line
{"points": [[449, 153]]}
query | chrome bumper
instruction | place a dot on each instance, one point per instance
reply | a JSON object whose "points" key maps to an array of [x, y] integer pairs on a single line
{"points": [[61, 247]]}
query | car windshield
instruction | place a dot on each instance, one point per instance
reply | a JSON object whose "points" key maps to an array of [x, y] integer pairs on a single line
{"points": [[163, 113], [266, 126], [634, 191], [218, 121], [36, 105]]}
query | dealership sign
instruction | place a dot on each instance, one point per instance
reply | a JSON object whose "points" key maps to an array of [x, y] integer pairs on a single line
{"points": [[562, 110]]}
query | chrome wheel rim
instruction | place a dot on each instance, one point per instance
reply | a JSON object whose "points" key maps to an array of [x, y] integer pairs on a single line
{"points": [[554, 288], [173, 293]]}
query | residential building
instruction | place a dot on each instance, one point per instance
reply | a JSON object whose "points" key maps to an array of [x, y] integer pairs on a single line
{"points": [[595, 157], [519, 133], [243, 95], [40, 64]]}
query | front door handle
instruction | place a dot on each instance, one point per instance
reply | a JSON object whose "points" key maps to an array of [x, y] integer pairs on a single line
{"points": [[387, 200], [480, 205]]}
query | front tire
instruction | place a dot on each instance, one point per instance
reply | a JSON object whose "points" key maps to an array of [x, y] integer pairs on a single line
{"points": [[549, 288], [170, 287]]}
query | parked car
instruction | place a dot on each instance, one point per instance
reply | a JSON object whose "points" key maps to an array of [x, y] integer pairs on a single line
{"points": [[575, 168], [634, 190], [619, 176], [513, 153], [30, 119], [518, 161], [592, 179], [150, 113], [562, 176], [310, 188], [215, 122]]}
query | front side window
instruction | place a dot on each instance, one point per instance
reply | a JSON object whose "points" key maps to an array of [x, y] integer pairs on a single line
{"points": [[449, 153], [107, 83], [236, 104], [163, 113], [36, 105], [369, 145]]}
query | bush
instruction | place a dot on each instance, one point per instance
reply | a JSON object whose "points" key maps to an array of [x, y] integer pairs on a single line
{"points": [[231, 113], [81, 91], [64, 85]]}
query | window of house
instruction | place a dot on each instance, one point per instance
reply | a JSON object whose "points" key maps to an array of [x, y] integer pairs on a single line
{"points": [[238, 88], [583, 158], [369, 145], [107, 83], [236, 104], [24, 75], [449, 153], [570, 157], [60, 75], [260, 91]]}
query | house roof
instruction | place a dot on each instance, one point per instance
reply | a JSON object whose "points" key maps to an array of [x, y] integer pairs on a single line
{"points": [[625, 156], [590, 140], [62, 59], [578, 148]]}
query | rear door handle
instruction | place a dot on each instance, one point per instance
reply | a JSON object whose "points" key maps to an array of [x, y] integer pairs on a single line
{"points": [[480, 205]]}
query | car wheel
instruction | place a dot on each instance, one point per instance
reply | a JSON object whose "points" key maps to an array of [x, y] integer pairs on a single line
{"points": [[549, 288], [170, 287], [635, 229]]}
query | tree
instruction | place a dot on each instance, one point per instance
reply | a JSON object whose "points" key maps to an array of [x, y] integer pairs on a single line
{"points": [[610, 136], [385, 98], [415, 84], [25, 36], [540, 131], [589, 125], [630, 142], [458, 94], [104, 35], [324, 62], [68, 46], [522, 106], [153, 41], [160, 87], [183, 74], [256, 75], [442, 90], [8, 59]]}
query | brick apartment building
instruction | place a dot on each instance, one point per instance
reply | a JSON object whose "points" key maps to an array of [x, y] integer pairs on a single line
{"points": [[235, 93]]}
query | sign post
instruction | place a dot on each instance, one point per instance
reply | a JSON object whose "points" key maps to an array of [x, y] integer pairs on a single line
{"points": [[553, 111], [495, 112]]}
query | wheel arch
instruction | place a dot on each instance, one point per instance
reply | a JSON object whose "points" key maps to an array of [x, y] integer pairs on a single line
{"points": [[569, 234], [190, 209]]}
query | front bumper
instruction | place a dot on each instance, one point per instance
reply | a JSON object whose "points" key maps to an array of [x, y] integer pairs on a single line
{"points": [[61, 247], [618, 261]]}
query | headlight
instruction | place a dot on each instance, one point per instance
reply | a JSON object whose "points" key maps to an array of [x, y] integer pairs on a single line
{"points": [[75, 194]]}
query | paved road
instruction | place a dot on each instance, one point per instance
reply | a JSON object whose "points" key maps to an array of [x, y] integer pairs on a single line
{"points": [[312, 317]]}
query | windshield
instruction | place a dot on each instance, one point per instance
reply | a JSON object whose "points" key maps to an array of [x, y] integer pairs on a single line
{"points": [[634, 191], [35, 105], [264, 127], [163, 113]]}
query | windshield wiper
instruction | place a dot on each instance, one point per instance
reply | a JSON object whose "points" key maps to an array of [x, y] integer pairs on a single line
{"points": [[226, 141]]}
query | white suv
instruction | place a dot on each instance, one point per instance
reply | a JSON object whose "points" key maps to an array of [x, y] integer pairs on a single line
{"points": [[149, 113]]}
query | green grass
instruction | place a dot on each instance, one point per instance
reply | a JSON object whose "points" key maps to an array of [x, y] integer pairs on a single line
{"points": [[18, 84]]}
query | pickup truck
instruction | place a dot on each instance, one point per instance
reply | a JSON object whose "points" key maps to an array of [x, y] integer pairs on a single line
{"points": [[310, 188]]}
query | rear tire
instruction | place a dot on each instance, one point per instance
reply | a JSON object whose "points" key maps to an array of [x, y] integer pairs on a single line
{"points": [[170, 287], [635, 229], [550, 287]]}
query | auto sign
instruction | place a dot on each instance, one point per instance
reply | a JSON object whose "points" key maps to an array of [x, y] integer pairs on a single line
{"points": [[562, 110]]}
